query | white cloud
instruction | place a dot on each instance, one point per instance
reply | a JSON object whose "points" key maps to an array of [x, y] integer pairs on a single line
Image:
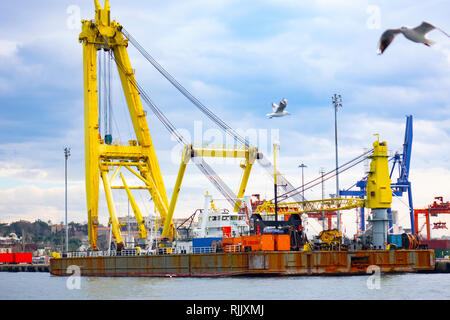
{"points": [[16, 171], [8, 48]]}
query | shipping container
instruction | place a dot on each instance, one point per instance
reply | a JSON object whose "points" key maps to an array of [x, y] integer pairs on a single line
{"points": [[437, 243], [6, 257], [23, 257]]}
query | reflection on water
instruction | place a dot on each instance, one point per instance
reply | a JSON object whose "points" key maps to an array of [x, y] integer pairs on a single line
{"points": [[42, 286]]}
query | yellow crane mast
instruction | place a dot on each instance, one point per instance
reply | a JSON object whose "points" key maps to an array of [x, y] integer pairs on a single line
{"points": [[139, 156], [104, 34]]}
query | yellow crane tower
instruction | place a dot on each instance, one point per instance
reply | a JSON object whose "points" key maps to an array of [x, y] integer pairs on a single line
{"points": [[139, 156], [104, 34]]}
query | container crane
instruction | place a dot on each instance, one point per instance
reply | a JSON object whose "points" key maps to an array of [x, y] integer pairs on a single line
{"points": [[433, 210]]}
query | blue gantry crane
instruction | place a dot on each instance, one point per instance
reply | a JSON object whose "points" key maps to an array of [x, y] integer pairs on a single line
{"points": [[402, 162]]}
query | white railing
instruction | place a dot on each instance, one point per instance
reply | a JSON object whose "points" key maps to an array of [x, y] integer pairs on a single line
{"points": [[157, 251], [82, 254], [203, 250], [129, 252], [232, 248], [76, 254], [165, 251]]}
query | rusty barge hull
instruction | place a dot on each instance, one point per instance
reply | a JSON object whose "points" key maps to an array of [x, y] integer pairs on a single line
{"points": [[276, 263]]}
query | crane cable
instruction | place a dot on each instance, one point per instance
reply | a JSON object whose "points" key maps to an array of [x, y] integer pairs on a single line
{"points": [[200, 163], [211, 115], [183, 90], [265, 163], [330, 174]]}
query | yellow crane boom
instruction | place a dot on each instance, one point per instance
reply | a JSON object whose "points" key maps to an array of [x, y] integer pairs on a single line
{"points": [[325, 205], [249, 154]]}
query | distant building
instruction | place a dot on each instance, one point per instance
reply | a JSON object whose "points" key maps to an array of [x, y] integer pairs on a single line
{"points": [[57, 228], [10, 241]]}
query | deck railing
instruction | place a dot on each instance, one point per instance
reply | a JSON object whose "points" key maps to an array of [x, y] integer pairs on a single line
{"points": [[135, 252]]}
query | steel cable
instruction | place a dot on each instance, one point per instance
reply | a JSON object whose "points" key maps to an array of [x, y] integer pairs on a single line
{"points": [[330, 174], [199, 162], [184, 91]]}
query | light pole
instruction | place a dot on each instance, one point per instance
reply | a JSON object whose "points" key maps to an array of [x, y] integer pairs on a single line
{"points": [[337, 102], [66, 155], [276, 147]]}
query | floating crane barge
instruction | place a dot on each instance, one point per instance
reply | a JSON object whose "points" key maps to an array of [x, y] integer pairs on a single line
{"points": [[275, 263], [275, 247]]}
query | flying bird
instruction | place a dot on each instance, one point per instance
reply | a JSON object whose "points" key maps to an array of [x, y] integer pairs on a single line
{"points": [[278, 110], [416, 34]]}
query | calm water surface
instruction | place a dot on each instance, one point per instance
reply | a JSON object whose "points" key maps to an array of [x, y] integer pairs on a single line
{"points": [[42, 286]]}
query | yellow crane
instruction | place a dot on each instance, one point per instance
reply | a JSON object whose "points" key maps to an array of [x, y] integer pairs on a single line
{"points": [[379, 192], [138, 157], [249, 154]]}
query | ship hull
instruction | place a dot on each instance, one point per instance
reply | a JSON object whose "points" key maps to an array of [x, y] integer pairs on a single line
{"points": [[275, 263]]}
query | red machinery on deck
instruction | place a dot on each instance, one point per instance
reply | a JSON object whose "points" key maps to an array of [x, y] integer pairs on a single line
{"points": [[433, 210]]}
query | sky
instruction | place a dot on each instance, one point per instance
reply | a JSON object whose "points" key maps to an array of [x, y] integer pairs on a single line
{"points": [[237, 58]]}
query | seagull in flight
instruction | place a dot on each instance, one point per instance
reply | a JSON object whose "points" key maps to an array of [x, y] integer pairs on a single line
{"points": [[416, 34], [278, 110]]}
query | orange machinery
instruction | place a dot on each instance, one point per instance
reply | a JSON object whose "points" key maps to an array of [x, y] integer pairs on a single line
{"points": [[264, 242]]}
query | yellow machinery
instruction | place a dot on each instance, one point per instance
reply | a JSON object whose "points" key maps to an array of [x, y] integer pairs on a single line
{"points": [[325, 205], [249, 154], [379, 192], [329, 239], [213, 205], [139, 156]]}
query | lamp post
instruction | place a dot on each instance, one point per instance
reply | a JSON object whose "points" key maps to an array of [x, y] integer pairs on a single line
{"points": [[66, 155], [276, 147], [337, 102]]}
